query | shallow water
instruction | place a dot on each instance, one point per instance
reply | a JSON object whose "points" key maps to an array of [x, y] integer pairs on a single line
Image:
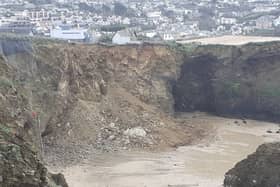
{"points": [[202, 165]]}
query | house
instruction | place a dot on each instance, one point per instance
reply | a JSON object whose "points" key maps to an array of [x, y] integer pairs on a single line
{"points": [[228, 21], [248, 29], [265, 22], [156, 14], [168, 37], [66, 33], [276, 22], [36, 15], [125, 37], [150, 34], [236, 30]]}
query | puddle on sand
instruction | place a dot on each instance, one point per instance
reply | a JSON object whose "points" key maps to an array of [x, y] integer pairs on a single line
{"points": [[201, 165]]}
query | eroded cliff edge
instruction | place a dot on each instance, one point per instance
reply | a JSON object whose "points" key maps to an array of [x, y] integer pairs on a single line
{"points": [[62, 101]]}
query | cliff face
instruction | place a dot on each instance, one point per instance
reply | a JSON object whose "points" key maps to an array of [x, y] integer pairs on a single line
{"points": [[62, 101], [20, 164], [86, 98], [260, 169], [241, 80]]}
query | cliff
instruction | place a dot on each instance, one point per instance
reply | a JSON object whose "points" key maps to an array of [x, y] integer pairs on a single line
{"points": [[62, 101], [20, 161], [231, 81]]}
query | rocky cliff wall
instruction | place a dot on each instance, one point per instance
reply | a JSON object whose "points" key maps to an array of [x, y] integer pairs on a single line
{"points": [[89, 97], [231, 80], [62, 101], [20, 146]]}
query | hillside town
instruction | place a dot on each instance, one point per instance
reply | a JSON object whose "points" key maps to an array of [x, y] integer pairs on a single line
{"points": [[135, 21]]}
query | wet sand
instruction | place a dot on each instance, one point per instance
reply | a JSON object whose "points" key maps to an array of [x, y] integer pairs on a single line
{"points": [[202, 165]]}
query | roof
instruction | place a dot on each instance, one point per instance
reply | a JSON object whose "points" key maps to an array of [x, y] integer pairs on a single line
{"points": [[71, 34]]}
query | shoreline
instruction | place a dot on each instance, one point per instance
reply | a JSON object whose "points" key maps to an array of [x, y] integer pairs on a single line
{"points": [[201, 165]]}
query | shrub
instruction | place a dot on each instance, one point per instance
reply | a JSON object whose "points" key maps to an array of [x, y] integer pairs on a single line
{"points": [[5, 83]]}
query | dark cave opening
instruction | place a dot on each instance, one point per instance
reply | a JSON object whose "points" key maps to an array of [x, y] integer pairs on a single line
{"points": [[205, 84], [193, 90]]}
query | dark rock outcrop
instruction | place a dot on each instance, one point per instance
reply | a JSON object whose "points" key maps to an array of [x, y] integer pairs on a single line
{"points": [[261, 169], [20, 165], [238, 81]]}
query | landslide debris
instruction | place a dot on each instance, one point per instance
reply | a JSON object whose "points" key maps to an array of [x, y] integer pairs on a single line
{"points": [[260, 169], [89, 98], [109, 93]]}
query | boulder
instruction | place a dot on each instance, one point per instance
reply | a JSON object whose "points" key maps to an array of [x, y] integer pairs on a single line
{"points": [[136, 132], [260, 169]]}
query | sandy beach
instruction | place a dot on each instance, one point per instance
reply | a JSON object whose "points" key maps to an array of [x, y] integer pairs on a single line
{"points": [[202, 165]]}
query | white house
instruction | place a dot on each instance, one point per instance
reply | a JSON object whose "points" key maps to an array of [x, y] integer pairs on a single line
{"points": [[276, 22], [265, 22], [228, 21], [168, 37], [69, 34], [151, 34], [155, 14]]}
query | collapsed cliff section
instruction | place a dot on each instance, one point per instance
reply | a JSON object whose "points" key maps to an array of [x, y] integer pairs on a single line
{"points": [[116, 98], [231, 81], [261, 169], [94, 97]]}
